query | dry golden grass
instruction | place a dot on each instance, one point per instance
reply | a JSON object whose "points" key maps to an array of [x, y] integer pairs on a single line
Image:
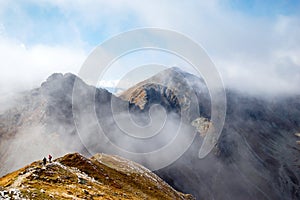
{"points": [[100, 177]]}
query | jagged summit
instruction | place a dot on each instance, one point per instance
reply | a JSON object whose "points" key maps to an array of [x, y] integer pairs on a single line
{"points": [[174, 89], [56, 78], [75, 177], [170, 72]]}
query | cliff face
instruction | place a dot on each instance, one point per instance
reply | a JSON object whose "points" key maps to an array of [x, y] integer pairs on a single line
{"points": [[177, 91], [76, 177]]}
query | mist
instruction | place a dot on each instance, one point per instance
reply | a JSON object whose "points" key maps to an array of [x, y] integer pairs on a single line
{"points": [[256, 54]]}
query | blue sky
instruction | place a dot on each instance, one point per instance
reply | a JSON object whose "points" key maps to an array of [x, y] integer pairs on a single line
{"points": [[254, 44], [269, 8], [55, 24]]}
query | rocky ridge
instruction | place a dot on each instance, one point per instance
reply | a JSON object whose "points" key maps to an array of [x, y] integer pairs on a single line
{"points": [[76, 177]]}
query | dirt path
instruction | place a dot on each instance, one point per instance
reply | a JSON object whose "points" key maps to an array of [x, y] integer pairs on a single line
{"points": [[20, 178]]}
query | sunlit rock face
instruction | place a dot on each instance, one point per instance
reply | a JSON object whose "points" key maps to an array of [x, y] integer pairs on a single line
{"points": [[177, 91]]}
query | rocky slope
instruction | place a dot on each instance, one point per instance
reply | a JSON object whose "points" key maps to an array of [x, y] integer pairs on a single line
{"points": [[76, 177], [43, 120], [175, 90], [257, 156]]}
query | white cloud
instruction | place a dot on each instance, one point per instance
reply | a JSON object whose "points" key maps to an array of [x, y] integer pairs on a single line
{"points": [[26, 67], [254, 53], [108, 83]]}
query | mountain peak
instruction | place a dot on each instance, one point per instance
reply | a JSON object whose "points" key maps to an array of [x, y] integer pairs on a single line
{"points": [[172, 88], [54, 77], [58, 78], [174, 69]]}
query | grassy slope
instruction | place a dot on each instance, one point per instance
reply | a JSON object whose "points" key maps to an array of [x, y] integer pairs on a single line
{"points": [[101, 177]]}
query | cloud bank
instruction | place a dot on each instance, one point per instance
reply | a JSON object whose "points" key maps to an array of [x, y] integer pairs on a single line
{"points": [[255, 47]]}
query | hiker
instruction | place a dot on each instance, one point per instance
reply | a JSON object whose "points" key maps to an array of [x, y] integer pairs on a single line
{"points": [[44, 161], [50, 157]]}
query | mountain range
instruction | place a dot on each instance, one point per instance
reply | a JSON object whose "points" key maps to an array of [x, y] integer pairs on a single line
{"points": [[256, 156]]}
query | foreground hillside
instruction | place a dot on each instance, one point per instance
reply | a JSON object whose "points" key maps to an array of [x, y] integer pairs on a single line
{"points": [[76, 177]]}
